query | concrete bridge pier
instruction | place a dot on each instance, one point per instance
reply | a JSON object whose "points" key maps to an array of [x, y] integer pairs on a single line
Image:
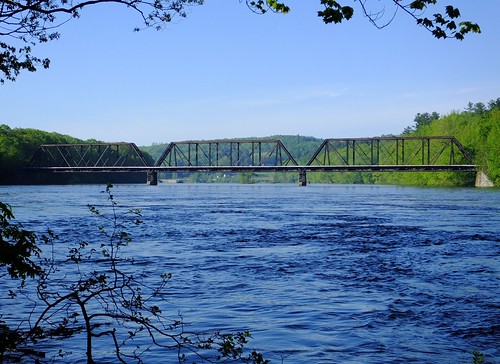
{"points": [[302, 178], [482, 180], [152, 178]]}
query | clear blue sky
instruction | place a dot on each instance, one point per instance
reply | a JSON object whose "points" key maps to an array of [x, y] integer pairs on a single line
{"points": [[224, 72]]}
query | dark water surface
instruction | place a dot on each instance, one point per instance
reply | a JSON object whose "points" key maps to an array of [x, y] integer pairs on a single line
{"points": [[321, 274]]}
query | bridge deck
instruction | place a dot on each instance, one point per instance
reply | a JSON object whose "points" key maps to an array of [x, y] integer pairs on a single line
{"points": [[305, 168]]}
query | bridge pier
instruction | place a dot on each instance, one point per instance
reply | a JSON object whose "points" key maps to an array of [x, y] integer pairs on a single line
{"points": [[152, 178], [482, 180], [302, 178]]}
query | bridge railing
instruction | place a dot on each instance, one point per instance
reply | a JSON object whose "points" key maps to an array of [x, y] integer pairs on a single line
{"points": [[226, 153], [391, 151]]}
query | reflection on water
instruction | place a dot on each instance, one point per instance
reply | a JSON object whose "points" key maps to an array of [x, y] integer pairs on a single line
{"points": [[321, 274]]}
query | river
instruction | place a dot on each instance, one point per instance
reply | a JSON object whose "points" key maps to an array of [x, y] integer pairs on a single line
{"points": [[318, 274]]}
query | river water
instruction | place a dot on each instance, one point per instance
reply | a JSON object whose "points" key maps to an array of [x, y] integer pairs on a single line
{"points": [[319, 274]]}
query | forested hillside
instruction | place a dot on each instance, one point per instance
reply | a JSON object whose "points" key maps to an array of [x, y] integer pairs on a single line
{"points": [[18, 145], [477, 128]]}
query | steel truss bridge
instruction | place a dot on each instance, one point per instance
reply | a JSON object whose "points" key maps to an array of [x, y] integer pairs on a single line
{"points": [[431, 154]]}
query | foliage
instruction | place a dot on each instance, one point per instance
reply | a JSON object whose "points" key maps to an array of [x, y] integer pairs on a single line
{"points": [[441, 25], [246, 177], [344, 178], [14, 60], [17, 249], [104, 296], [422, 120], [477, 357], [17, 246], [29, 23]]}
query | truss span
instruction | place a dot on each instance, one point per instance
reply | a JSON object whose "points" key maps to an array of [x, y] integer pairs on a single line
{"points": [[80, 157], [392, 153], [232, 154]]}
